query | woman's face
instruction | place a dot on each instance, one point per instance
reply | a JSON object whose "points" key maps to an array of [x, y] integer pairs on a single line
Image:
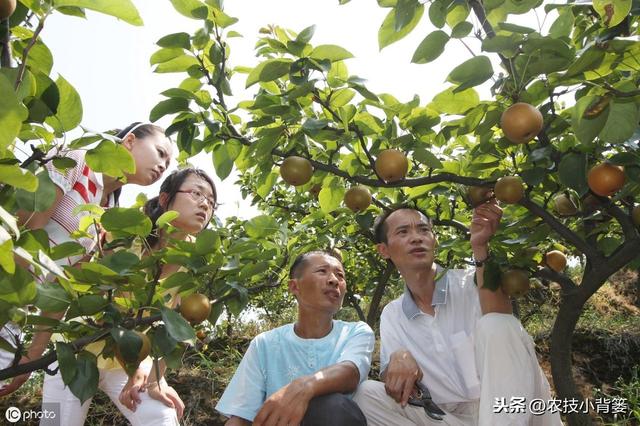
{"points": [[194, 204], [152, 155]]}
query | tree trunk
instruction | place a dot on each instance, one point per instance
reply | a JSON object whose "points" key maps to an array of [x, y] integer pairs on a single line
{"points": [[561, 362], [372, 315]]}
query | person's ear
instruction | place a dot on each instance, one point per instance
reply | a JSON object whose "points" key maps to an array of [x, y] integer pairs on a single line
{"points": [[127, 142], [294, 287], [383, 250], [163, 200]]}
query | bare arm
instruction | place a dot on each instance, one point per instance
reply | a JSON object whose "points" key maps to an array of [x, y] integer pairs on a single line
{"points": [[484, 225], [237, 421], [401, 375], [289, 404]]}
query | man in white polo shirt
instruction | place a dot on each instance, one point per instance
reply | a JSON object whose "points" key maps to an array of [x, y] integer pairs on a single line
{"points": [[459, 340]]}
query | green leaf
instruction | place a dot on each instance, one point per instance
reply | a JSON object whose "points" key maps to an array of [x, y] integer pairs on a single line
{"points": [[268, 70], [177, 327], [455, 103], [261, 226], [471, 73], [69, 113], [166, 218], [85, 382], [427, 158], [181, 63], [165, 54], [330, 52], [168, 106], [18, 177], [12, 113], [621, 122], [19, 289], [121, 261], [127, 221], [180, 40], [612, 12], [330, 197], [66, 362], [66, 249], [501, 43], [41, 199], [563, 25], [388, 33], [191, 8], [121, 9], [587, 128], [305, 35], [589, 60], [438, 12], [572, 172], [222, 162], [491, 275], [52, 298], [505, 26], [430, 48], [405, 9], [6, 252], [110, 158], [207, 241], [461, 30]]}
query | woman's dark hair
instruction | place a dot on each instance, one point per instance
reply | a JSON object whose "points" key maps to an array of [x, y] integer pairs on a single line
{"points": [[140, 130], [171, 185]]}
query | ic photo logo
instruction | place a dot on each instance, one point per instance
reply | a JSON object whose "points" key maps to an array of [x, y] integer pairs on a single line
{"points": [[13, 414]]}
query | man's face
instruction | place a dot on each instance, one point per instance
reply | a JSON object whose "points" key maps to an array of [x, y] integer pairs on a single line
{"points": [[410, 240], [321, 285]]}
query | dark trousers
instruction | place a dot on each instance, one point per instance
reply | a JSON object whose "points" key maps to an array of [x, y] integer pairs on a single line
{"points": [[334, 409]]}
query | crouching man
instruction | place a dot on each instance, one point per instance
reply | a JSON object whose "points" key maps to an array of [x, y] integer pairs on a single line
{"points": [[303, 373], [457, 338]]}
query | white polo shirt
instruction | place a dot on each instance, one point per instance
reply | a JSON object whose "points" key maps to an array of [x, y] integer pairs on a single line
{"points": [[442, 344]]}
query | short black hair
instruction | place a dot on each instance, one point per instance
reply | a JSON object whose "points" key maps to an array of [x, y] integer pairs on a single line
{"points": [[380, 224], [300, 262]]}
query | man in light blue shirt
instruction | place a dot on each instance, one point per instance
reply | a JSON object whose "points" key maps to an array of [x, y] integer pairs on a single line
{"points": [[300, 373]]}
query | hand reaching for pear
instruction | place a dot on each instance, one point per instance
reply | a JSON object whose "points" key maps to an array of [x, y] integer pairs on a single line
{"points": [[484, 223]]}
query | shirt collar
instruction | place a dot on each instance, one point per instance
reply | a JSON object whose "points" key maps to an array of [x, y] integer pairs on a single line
{"points": [[409, 306]]}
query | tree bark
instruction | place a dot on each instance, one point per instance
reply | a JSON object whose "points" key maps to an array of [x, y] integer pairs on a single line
{"points": [[5, 47], [372, 314]]}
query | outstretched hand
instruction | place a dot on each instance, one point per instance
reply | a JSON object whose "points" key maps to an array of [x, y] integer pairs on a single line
{"points": [[485, 222], [14, 384]]}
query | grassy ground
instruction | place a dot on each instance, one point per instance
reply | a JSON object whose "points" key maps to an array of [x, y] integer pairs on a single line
{"points": [[606, 359]]}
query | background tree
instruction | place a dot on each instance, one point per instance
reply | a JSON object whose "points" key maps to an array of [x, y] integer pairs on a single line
{"points": [[581, 75]]}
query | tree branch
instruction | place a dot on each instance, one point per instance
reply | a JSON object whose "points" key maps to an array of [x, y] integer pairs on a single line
{"points": [[566, 233], [567, 284], [25, 52], [77, 345]]}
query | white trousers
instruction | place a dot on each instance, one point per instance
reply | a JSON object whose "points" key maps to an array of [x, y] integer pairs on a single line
{"points": [[71, 413], [9, 332], [507, 367]]}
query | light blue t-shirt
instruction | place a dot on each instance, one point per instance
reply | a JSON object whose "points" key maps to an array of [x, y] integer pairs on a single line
{"points": [[276, 357]]}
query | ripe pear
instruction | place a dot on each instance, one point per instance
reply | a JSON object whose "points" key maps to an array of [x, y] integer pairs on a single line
{"points": [[7, 7], [605, 179], [521, 123], [392, 165], [564, 205], [478, 195], [515, 282], [195, 308], [509, 189], [556, 260], [358, 198], [296, 170]]}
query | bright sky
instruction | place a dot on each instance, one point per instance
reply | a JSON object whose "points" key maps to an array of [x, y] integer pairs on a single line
{"points": [[107, 61]]}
